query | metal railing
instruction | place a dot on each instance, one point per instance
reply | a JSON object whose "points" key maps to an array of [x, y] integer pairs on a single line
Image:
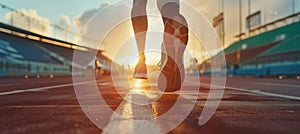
{"points": [[22, 68]]}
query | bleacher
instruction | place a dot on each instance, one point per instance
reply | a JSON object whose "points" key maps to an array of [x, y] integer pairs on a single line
{"points": [[19, 48], [275, 52], [23, 53], [67, 53], [285, 50]]}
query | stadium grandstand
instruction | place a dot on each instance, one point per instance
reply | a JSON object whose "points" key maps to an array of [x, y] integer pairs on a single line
{"points": [[274, 51], [24, 53]]}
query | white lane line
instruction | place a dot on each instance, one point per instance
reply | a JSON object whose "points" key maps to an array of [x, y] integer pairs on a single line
{"points": [[44, 106], [44, 88], [133, 118], [265, 93], [275, 84], [250, 91], [13, 83], [104, 84]]}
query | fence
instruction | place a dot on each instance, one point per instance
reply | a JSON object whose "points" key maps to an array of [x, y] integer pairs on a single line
{"points": [[22, 68]]}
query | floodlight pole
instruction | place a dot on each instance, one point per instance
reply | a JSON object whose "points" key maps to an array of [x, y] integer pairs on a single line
{"points": [[240, 19], [293, 6], [240, 35], [249, 13]]}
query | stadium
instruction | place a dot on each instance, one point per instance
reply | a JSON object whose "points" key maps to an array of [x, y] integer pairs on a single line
{"points": [[57, 76]]}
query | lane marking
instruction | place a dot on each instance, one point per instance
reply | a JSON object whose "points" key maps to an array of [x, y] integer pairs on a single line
{"points": [[22, 83], [105, 83], [45, 106], [13, 83], [265, 93], [250, 91], [132, 118], [43, 88], [276, 84]]}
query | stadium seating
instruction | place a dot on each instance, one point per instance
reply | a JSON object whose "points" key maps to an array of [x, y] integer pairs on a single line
{"points": [[21, 49]]}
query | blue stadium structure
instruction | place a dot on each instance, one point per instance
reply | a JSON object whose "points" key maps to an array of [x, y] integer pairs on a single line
{"points": [[23, 53], [274, 52]]}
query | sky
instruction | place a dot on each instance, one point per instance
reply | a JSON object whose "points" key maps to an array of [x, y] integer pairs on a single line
{"points": [[74, 14]]}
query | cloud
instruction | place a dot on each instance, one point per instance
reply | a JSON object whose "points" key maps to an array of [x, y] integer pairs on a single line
{"points": [[65, 22], [65, 30], [102, 24], [209, 8], [28, 19], [82, 19]]}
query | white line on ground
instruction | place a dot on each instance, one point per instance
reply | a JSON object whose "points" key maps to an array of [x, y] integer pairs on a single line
{"points": [[132, 118], [104, 84], [43, 88], [44, 106], [265, 93], [276, 84], [250, 91]]}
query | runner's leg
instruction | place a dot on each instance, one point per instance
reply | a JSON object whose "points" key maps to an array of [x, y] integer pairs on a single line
{"points": [[174, 44], [140, 26]]}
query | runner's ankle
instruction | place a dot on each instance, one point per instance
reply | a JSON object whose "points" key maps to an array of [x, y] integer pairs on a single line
{"points": [[142, 58]]}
